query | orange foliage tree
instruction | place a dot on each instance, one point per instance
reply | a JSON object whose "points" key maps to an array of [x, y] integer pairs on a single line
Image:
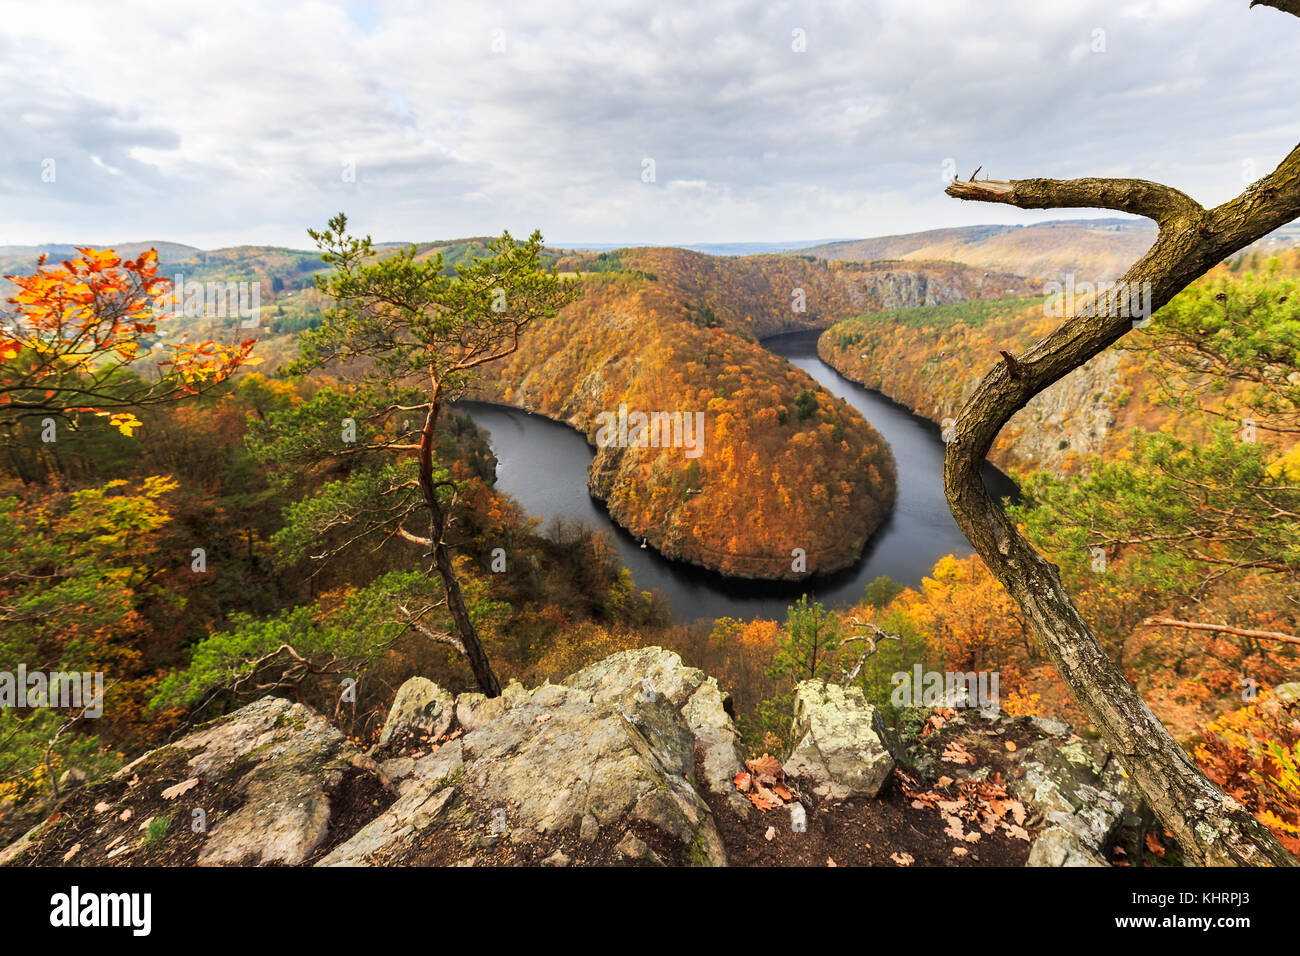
{"points": [[66, 347]]}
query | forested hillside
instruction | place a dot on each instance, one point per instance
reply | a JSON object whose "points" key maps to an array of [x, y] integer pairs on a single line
{"points": [[667, 329]]}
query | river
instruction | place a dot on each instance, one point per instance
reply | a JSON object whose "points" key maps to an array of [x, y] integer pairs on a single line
{"points": [[543, 465]]}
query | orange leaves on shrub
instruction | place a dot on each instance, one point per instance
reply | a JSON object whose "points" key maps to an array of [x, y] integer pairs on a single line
{"points": [[80, 321], [1254, 754]]}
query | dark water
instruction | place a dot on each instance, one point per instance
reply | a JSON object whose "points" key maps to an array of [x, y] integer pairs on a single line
{"points": [[543, 465]]}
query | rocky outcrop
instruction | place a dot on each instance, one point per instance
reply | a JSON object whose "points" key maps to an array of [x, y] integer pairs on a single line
{"points": [[611, 765], [1083, 795], [608, 750], [256, 787], [634, 760], [840, 746]]}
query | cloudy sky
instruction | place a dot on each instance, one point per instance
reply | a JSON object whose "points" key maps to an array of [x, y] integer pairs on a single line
{"points": [[246, 122]]}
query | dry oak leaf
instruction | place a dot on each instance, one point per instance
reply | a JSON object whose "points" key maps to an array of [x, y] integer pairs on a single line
{"points": [[765, 766], [171, 793], [903, 859]]}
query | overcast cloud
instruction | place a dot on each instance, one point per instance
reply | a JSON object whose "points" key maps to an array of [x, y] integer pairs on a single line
{"points": [[236, 122]]}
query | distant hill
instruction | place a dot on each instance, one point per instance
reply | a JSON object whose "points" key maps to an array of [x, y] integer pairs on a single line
{"points": [[23, 258], [708, 248], [1092, 249]]}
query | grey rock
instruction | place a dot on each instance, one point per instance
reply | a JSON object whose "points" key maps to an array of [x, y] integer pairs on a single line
{"points": [[563, 759], [634, 849], [420, 708], [840, 746], [1057, 846], [1082, 795]]}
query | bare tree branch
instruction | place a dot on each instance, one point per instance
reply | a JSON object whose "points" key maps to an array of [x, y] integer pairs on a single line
{"points": [[1136, 196], [1221, 629]]}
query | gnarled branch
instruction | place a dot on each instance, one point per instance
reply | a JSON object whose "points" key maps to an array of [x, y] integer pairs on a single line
{"points": [[1136, 196], [1212, 828]]}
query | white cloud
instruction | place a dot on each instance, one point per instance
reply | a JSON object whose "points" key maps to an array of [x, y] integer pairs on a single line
{"points": [[235, 122]]}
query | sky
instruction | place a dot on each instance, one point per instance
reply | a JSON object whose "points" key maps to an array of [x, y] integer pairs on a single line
{"points": [[229, 123]]}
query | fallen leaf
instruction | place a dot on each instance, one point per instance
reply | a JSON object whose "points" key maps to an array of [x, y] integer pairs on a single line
{"points": [[1011, 745], [1154, 844], [770, 834], [743, 781], [541, 718], [945, 781], [126, 815], [765, 764], [902, 859], [76, 848], [955, 752], [830, 862], [171, 793], [764, 798], [959, 851], [102, 806]]}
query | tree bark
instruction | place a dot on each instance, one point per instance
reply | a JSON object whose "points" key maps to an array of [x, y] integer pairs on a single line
{"points": [[1212, 828], [465, 630]]}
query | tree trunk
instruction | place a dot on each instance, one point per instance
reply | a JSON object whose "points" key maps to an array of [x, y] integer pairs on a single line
{"points": [[1212, 828], [474, 653]]}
